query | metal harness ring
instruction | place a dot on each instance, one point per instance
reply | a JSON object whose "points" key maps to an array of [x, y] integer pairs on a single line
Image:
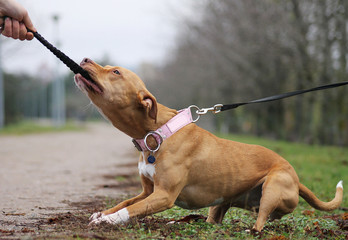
{"points": [[158, 143]]}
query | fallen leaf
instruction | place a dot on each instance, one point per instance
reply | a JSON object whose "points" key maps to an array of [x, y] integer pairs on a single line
{"points": [[308, 212]]}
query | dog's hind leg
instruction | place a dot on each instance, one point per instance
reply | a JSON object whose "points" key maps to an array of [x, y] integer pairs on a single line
{"points": [[279, 196], [216, 213], [268, 203]]}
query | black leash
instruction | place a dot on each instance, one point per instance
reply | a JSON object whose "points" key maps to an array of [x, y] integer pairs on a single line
{"points": [[223, 107], [282, 96]]}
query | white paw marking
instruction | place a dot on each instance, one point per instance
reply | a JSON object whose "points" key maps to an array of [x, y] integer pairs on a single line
{"points": [[340, 184], [121, 216], [95, 216]]}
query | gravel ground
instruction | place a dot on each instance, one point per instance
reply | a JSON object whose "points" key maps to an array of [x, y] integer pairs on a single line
{"points": [[41, 174]]}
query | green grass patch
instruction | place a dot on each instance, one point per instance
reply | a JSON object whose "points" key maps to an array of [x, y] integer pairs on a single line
{"points": [[31, 127]]}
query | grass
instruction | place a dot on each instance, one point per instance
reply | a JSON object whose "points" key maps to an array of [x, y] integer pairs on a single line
{"points": [[32, 127]]}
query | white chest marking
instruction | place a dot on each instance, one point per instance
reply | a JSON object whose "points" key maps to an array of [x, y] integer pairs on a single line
{"points": [[148, 170]]}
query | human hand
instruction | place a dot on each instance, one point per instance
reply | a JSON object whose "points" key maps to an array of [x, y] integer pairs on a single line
{"points": [[15, 20]]}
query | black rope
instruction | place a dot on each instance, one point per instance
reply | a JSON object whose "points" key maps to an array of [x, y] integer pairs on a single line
{"points": [[74, 67], [283, 95]]}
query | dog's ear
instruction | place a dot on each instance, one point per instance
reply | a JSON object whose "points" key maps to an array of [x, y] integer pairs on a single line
{"points": [[148, 102]]}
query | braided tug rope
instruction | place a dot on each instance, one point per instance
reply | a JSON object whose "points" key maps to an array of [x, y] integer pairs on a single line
{"points": [[73, 66]]}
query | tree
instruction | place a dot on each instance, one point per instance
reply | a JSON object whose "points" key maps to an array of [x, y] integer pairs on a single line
{"points": [[236, 50]]}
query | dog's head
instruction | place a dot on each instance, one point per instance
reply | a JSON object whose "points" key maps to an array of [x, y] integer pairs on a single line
{"points": [[119, 94]]}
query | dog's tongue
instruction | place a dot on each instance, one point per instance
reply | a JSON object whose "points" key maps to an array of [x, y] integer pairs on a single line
{"points": [[97, 89], [90, 83]]}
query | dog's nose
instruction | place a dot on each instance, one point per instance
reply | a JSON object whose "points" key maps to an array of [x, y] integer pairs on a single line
{"points": [[86, 60]]}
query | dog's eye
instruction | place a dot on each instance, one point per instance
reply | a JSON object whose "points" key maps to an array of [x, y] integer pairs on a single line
{"points": [[117, 72]]}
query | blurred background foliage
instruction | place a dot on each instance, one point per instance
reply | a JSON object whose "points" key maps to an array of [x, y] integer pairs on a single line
{"points": [[238, 50], [233, 51]]}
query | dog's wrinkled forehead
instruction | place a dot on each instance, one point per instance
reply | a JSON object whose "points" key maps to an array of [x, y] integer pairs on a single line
{"points": [[125, 74]]}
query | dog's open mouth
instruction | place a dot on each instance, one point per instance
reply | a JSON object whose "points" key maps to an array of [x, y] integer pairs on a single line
{"points": [[88, 84]]}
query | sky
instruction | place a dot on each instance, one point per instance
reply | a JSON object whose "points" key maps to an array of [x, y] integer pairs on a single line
{"points": [[127, 32]]}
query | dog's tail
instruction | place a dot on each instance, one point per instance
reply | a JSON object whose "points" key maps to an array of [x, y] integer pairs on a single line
{"points": [[307, 195]]}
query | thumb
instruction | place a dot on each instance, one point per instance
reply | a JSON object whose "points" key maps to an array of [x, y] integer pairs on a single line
{"points": [[27, 22]]}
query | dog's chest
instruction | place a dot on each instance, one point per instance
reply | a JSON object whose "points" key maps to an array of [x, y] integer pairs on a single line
{"points": [[146, 169]]}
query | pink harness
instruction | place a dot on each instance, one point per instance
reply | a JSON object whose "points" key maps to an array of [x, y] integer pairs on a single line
{"points": [[183, 118]]}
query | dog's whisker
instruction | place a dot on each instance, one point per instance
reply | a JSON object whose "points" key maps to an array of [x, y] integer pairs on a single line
{"points": [[89, 105]]}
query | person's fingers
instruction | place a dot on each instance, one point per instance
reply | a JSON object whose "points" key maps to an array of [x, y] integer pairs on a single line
{"points": [[2, 22], [29, 36], [15, 11], [7, 30], [15, 29], [22, 32]]}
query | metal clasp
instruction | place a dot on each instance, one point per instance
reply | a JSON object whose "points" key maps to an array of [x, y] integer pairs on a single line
{"points": [[216, 109], [201, 111]]}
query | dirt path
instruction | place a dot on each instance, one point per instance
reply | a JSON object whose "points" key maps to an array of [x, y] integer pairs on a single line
{"points": [[41, 174]]}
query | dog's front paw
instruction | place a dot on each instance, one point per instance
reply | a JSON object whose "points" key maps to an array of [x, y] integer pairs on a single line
{"points": [[95, 216], [115, 218]]}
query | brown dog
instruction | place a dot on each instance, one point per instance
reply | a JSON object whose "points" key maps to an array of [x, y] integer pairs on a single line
{"points": [[192, 168]]}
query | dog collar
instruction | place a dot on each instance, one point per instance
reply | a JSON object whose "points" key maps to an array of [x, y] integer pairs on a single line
{"points": [[183, 118]]}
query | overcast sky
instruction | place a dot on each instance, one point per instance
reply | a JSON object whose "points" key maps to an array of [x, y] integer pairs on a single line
{"points": [[127, 31]]}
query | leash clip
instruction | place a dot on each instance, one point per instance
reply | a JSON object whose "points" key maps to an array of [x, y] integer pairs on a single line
{"points": [[216, 109]]}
